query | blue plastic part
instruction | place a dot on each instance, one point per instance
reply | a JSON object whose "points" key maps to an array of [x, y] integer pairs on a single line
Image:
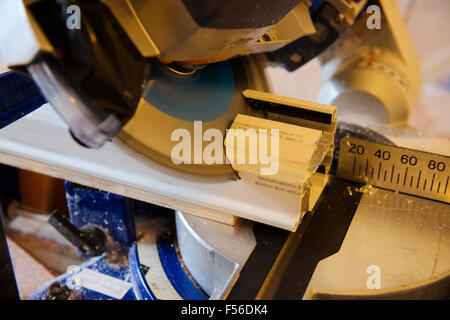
{"points": [[114, 215], [105, 210], [18, 97], [169, 261], [204, 96]]}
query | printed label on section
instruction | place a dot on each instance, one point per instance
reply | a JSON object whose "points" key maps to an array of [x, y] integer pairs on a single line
{"points": [[102, 283]]}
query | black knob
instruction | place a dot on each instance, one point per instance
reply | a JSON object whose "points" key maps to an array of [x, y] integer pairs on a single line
{"points": [[90, 241]]}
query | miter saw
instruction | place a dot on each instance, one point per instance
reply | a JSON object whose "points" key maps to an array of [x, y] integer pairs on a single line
{"points": [[139, 69]]}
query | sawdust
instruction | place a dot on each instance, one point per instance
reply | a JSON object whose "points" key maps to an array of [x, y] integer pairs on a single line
{"points": [[366, 189]]}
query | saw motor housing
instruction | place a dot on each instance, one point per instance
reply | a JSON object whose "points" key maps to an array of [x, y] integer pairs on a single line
{"points": [[92, 59]]}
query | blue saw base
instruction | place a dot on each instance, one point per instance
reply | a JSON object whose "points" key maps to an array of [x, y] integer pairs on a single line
{"points": [[115, 216]]}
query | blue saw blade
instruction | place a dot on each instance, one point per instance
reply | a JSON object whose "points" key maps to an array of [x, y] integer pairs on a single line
{"points": [[203, 96], [18, 97]]}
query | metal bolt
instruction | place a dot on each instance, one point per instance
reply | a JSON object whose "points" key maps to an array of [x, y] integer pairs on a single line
{"points": [[339, 18], [57, 291], [296, 58]]}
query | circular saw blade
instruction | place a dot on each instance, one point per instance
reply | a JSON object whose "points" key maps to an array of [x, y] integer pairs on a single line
{"points": [[211, 95]]}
